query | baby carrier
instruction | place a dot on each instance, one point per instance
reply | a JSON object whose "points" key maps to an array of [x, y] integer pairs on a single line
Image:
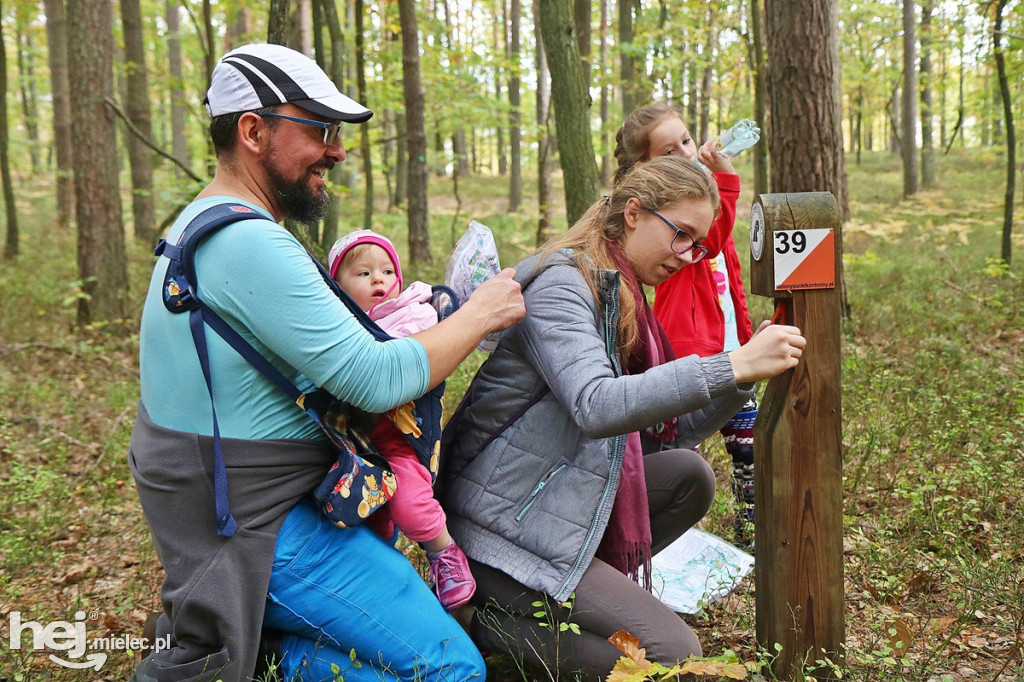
{"points": [[360, 481]]}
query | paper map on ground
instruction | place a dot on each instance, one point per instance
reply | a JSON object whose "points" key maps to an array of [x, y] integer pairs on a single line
{"points": [[696, 569]]}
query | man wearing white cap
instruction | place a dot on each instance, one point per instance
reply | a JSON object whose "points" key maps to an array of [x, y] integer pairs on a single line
{"points": [[274, 561]]}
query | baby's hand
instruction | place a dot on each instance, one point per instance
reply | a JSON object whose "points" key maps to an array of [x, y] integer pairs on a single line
{"points": [[709, 156]]}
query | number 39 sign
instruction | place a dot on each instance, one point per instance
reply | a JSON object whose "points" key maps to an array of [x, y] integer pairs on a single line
{"points": [[805, 259]]}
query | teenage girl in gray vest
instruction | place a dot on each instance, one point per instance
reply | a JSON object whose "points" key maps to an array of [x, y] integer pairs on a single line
{"points": [[548, 490]]}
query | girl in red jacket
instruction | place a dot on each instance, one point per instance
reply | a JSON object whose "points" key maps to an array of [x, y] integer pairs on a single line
{"points": [[702, 307]]}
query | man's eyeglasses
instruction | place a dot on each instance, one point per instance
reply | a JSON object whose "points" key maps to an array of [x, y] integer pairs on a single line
{"points": [[331, 130], [683, 242]]}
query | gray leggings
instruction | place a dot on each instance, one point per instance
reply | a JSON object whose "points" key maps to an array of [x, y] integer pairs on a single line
{"points": [[680, 489]]}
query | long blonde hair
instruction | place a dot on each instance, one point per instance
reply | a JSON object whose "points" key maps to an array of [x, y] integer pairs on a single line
{"points": [[633, 141], [656, 184]]}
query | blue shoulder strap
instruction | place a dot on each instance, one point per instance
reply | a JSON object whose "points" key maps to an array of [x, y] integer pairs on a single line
{"points": [[179, 296], [180, 280]]}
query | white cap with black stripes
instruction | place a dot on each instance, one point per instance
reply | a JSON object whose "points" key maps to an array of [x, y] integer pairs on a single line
{"points": [[256, 76]]}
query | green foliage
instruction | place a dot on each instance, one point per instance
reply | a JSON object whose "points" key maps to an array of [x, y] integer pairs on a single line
{"points": [[25, 523], [557, 616]]}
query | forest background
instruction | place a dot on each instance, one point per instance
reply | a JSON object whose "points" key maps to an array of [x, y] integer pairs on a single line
{"points": [[102, 141]]}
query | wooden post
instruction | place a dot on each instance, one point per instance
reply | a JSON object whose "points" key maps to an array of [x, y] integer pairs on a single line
{"points": [[794, 242]]}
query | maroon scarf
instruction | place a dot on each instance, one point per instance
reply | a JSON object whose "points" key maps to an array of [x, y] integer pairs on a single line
{"points": [[626, 544]]}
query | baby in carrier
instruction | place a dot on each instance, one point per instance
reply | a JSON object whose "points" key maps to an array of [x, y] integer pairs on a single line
{"points": [[366, 266]]}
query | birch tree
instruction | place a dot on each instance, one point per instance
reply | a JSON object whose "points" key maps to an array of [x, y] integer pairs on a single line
{"points": [[908, 139]]}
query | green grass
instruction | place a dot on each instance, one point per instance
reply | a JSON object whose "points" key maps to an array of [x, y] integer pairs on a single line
{"points": [[933, 437]]}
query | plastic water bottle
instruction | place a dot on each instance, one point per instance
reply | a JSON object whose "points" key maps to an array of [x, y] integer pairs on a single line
{"points": [[743, 135]]}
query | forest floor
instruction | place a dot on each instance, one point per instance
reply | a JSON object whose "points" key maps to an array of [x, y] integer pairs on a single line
{"points": [[933, 434]]}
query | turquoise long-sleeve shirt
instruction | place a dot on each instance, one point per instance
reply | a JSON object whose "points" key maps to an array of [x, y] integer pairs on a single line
{"points": [[261, 281]]}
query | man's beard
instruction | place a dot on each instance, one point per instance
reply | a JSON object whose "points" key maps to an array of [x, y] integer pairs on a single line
{"points": [[298, 200]]}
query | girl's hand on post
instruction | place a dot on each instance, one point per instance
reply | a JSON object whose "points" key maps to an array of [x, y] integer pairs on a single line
{"points": [[773, 349]]}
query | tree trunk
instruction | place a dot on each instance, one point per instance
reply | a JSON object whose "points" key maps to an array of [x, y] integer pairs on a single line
{"points": [[277, 22], [395, 147], [908, 140], [137, 107], [606, 148], [805, 117], [545, 227], [994, 107], [239, 30], [627, 63], [387, 153], [401, 161], [460, 151], [894, 128], [1011, 135], [708, 53], [210, 58], [336, 175], [961, 102], [515, 181], [304, 27], [499, 47], [660, 52], [26, 70], [209, 45], [474, 158], [56, 37], [858, 131], [460, 146], [11, 242], [282, 31], [102, 265], [364, 132], [803, 76], [943, 75], [500, 146], [439, 165], [571, 98], [582, 14], [319, 47], [179, 143], [419, 223], [927, 145], [316, 12], [760, 151]]}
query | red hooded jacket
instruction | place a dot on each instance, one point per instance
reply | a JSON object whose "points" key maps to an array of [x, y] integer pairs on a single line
{"points": [[687, 304]]}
